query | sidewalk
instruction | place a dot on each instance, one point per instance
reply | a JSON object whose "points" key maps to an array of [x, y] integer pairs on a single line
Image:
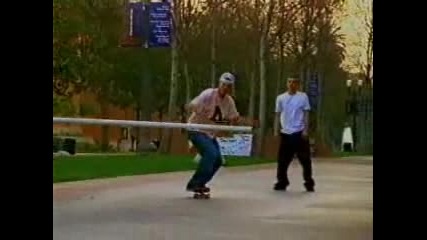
{"points": [[349, 159], [366, 158], [243, 206]]}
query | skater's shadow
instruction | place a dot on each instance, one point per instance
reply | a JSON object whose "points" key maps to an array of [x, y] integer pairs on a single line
{"points": [[294, 194]]}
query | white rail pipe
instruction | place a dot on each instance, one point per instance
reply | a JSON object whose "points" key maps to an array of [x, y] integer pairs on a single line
{"points": [[129, 123]]}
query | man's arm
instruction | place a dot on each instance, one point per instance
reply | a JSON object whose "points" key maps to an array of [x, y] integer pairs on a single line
{"points": [[306, 109], [191, 107], [306, 122], [233, 114], [278, 110], [276, 128], [195, 105]]}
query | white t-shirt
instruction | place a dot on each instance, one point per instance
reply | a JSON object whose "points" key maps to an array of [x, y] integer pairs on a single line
{"points": [[291, 109]]}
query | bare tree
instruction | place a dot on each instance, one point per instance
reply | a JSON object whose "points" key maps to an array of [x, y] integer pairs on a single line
{"points": [[189, 18], [214, 7], [265, 29], [368, 26], [360, 38], [283, 21]]}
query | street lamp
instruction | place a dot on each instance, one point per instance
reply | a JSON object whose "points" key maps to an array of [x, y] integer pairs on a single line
{"points": [[359, 102]]}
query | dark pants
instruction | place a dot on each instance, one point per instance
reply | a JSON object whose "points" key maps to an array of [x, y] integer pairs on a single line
{"points": [[291, 144], [210, 162], [348, 147]]}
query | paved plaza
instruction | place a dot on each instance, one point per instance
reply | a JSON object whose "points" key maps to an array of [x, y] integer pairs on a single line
{"points": [[243, 206]]}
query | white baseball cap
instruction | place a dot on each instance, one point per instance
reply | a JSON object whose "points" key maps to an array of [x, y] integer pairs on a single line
{"points": [[227, 78]]}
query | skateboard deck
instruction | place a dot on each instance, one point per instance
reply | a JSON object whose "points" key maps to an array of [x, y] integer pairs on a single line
{"points": [[201, 195]]}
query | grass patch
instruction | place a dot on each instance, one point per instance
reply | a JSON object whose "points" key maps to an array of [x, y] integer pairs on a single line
{"points": [[75, 168]]}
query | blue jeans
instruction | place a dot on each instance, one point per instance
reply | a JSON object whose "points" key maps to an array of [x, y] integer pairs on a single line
{"points": [[210, 162]]}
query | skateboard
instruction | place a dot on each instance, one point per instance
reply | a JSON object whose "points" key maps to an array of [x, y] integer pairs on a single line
{"points": [[201, 195]]}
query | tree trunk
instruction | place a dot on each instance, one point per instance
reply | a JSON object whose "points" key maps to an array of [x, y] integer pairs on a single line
{"points": [[262, 93], [167, 133], [187, 95], [145, 108], [144, 115], [251, 109], [321, 118], [280, 73], [187, 83], [105, 138], [263, 43], [369, 56], [213, 49]]}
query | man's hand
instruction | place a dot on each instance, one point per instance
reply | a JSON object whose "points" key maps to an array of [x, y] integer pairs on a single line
{"points": [[276, 127], [203, 119], [189, 107], [306, 122], [235, 120]]}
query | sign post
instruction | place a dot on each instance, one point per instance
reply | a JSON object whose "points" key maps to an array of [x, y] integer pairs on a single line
{"points": [[150, 25]]}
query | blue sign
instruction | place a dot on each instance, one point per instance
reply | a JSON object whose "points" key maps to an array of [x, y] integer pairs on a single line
{"points": [[160, 24], [136, 19], [313, 91]]}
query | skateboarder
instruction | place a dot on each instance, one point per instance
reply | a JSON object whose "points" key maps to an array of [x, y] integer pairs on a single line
{"points": [[211, 106]]}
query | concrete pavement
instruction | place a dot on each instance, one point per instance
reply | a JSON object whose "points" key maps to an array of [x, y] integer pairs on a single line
{"points": [[243, 206]]}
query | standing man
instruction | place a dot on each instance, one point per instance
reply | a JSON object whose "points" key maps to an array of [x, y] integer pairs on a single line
{"points": [[292, 109], [211, 106]]}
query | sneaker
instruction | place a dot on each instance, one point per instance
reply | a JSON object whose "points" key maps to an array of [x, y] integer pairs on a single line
{"points": [[190, 189], [280, 187], [205, 189], [309, 188], [198, 189]]}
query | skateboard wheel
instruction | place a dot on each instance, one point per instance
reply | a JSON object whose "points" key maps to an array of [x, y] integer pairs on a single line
{"points": [[201, 196]]}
